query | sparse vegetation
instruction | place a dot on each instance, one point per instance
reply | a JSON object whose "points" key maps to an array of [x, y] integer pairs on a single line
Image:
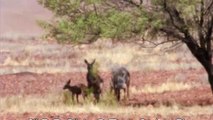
{"points": [[54, 103], [39, 58], [164, 87], [166, 80]]}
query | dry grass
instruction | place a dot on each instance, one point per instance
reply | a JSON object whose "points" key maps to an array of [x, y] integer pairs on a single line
{"points": [[54, 103], [22, 57], [54, 58], [32, 65], [136, 58], [164, 87]]}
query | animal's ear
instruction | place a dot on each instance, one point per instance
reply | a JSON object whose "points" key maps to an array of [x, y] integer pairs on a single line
{"points": [[86, 61], [93, 61], [68, 82]]}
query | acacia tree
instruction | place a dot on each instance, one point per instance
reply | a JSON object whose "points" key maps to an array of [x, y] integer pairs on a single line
{"points": [[84, 21], [191, 22]]}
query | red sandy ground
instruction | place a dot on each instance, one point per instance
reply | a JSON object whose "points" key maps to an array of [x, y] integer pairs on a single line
{"points": [[13, 84], [83, 116], [41, 84], [18, 16]]}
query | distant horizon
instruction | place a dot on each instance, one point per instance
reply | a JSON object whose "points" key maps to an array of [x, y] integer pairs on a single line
{"points": [[18, 18]]}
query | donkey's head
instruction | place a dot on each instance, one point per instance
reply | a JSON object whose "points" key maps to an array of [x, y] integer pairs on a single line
{"points": [[67, 85], [90, 66]]}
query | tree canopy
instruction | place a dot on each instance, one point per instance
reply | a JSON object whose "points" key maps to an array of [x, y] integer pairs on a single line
{"points": [[84, 21]]}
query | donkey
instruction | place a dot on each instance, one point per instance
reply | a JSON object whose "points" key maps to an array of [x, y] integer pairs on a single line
{"points": [[120, 80], [76, 90], [94, 81]]}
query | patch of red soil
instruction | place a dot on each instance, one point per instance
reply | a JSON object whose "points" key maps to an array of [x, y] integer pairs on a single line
{"points": [[140, 79], [195, 96], [92, 116], [40, 84], [32, 83]]}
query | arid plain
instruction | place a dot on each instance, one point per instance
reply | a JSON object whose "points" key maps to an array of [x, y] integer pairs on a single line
{"points": [[165, 83]]}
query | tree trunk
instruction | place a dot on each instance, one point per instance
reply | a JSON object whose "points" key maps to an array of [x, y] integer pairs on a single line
{"points": [[208, 67], [204, 56], [210, 78], [201, 51], [206, 62]]}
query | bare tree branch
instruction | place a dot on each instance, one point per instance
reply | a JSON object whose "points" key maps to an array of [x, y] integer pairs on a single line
{"points": [[167, 9], [209, 7], [209, 29], [134, 3], [153, 44], [95, 8], [173, 46], [208, 37], [201, 13], [170, 32], [178, 22], [200, 25]]}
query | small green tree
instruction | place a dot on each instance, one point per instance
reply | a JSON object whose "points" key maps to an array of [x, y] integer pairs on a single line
{"points": [[186, 21], [84, 21]]}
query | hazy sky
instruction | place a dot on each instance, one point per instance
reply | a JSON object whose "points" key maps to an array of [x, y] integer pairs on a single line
{"points": [[18, 18]]}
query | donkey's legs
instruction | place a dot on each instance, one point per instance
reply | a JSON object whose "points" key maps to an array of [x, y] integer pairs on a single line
{"points": [[97, 97], [72, 97], [77, 98], [118, 93], [125, 93]]}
